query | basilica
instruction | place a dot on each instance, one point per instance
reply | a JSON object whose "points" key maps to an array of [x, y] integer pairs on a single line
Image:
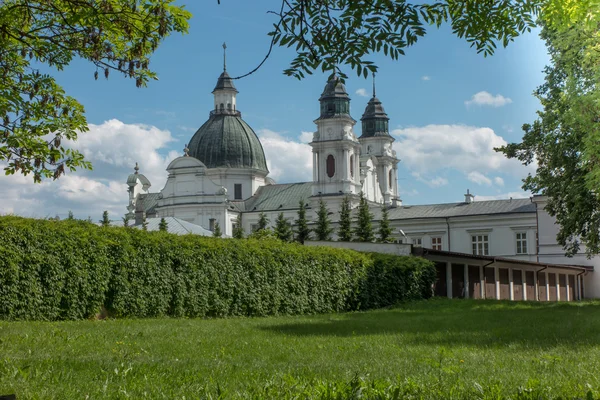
{"points": [[223, 172], [503, 249]]}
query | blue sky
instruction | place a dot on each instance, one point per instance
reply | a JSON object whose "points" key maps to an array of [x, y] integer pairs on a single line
{"points": [[444, 143]]}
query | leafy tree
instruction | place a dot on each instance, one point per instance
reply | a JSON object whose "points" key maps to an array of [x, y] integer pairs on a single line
{"points": [[302, 230], [144, 223], [345, 228], [163, 226], [105, 221], [283, 229], [238, 230], [323, 229], [217, 232], [385, 231], [126, 220], [36, 114], [364, 230], [328, 34], [263, 221], [564, 140], [71, 216]]}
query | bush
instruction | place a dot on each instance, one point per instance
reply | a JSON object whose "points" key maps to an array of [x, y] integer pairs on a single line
{"points": [[54, 270], [392, 279]]}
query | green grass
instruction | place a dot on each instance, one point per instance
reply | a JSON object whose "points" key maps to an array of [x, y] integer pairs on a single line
{"points": [[429, 349]]}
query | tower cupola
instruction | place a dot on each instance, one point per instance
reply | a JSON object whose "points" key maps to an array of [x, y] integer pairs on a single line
{"points": [[375, 121], [334, 100], [225, 91]]}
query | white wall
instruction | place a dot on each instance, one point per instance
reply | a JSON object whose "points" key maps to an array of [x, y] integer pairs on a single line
{"points": [[551, 252]]}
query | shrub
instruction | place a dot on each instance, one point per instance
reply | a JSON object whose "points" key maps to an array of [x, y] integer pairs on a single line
{"points": [[54, 270], [392, 279]]}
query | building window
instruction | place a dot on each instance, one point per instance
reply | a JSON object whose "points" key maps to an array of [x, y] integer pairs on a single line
{"points": [[330, 166], [521, 243], [352, 165], [229, 106], [211, 224], [222, 107], [390, 179], [436, 243], [481, 246], [253, 227], [237, 191], [417, 242]]}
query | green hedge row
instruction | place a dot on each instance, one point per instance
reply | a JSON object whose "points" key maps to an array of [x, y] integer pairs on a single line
{"points": [[55, 270]]}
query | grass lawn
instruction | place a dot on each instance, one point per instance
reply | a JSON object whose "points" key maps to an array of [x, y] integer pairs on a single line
{"points": [[430, 349]]}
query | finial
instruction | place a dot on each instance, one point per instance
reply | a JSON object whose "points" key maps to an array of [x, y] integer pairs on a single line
{"points": [[136, 168], [373, 84], [224, 56], [186, 151]]}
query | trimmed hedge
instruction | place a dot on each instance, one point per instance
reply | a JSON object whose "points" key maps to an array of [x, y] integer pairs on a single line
{"points": [[57, 270]]}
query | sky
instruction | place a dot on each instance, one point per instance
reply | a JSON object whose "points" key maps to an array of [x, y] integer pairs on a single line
{"points": [[448, 108]]}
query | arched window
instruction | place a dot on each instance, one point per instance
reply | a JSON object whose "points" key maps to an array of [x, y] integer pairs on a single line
{"points": [[352, 165], [222, 107], [229, 106], [390, 179], [330, 166]]}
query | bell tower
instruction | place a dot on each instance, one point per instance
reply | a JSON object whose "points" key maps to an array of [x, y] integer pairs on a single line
{"points": [[376, 144], [336, 150]]}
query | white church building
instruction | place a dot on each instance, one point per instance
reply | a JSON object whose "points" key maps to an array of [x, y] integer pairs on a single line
{"points": [[502, 249]]}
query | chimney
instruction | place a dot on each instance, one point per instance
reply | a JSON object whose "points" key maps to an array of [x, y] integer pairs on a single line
{"points": [[469, 198]]}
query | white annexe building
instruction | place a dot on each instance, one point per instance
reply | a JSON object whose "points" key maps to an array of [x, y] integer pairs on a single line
{"points": [[503, 249]]}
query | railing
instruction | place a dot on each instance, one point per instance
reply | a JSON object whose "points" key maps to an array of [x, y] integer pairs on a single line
{"points": [[225, 112]]}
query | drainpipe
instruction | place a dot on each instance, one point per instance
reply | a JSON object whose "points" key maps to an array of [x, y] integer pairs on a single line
{"points": [[448, 230]]}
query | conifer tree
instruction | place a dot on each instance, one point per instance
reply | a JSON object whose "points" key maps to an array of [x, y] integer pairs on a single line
{"points": [[70, 217], [105, 221], [385, 231], [283, 229], [302, 230], [217, 232], [144, 223], [238, 231], [163, 226], [364, 230], [263, 221], [345, 229], [126, 219], [323, 229]]}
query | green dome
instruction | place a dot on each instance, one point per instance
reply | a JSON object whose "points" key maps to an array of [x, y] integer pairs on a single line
{"points": [[226, 141]]}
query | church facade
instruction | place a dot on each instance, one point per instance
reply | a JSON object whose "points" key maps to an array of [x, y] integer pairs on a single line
{"points": [[223, 175]]}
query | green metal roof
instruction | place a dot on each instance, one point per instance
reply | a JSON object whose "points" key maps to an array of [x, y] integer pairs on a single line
{"points": [[225, 82], [279, 197], [226, 141]]}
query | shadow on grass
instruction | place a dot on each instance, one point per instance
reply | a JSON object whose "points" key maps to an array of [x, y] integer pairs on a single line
{"points": [[464, 322]]}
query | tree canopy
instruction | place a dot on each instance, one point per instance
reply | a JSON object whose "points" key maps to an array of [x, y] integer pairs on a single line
{"points": [[328, 34], [36, 114], [563, 142]]}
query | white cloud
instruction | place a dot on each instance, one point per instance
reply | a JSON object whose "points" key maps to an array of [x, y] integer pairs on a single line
{"points": [[487, 99], [508, 128], [306, 137], [288, 161], [479, 178], [430, 149], [426, 78], [362, 92], [504, 196], [499, 181], [113, 148]]}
